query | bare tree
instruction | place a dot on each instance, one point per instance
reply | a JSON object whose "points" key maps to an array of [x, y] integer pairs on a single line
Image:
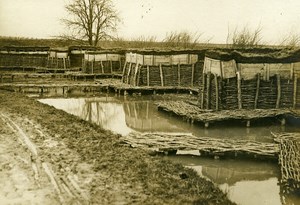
{"points": [[91, 20]]}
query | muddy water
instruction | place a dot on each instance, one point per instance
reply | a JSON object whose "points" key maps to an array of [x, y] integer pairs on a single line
{"points": [[245, 182]]}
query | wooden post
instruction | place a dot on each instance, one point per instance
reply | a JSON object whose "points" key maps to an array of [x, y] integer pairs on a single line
{"points": [[111, 68], [208, 91], [128, 74], [148, 76], [178, 73], [138, 75], [102, 67], [202, 90], [161, 75], [135, 74], [292, 70], [257, 91], [64, 62], [120, 64], [217, 91], [295, 91], [239, 90], [123, 73], [278, 91], [193, 70], [92, 66]]}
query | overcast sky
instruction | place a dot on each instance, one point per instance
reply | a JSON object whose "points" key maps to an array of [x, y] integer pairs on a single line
{"points": [[40, 18]]}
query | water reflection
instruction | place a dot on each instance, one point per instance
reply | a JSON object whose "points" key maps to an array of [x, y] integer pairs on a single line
{"points": [[245, 182]]}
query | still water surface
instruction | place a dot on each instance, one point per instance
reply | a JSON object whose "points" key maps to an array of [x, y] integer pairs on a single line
{"points": [[245, 182]]}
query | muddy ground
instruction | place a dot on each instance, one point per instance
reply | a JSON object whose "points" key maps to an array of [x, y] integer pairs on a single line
{"points": [[51, 157]]}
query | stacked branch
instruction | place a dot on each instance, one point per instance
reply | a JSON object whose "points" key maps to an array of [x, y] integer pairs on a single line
{"points": [[165, 142]]}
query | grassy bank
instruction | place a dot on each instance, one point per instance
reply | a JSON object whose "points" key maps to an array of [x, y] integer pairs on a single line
{"points": [[130, 174]]}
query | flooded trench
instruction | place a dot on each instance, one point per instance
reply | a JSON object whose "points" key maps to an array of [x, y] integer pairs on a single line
{"points": [[245, 182]]}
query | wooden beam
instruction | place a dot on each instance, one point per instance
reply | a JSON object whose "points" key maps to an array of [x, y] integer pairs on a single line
{"points": [[161, 75], [278, 91], [295, 91], [257, 91], [239, 90]]}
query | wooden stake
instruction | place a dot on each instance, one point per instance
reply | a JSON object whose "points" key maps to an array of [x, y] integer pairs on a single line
{"points": [[128, 74], [217, 91], [123, 73], [102, 67], [178, 72], [208, 91], [138, 75], [193, 70], [111, 68], [64, 61], [202, 90], [295, 91], [278, 91], [148, 76], [135, 74], [257, 90], [161, 75], [239, 90]]}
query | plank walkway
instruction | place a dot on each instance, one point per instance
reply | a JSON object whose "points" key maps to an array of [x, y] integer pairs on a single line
{"points": [[289, 160], [194, 113], [171, 142]]}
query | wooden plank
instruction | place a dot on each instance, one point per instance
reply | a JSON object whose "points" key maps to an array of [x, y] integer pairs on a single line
{"points": [[193, 71], [239, 90], [278, 91], [161, 75], [257, 91], [295, 91]]}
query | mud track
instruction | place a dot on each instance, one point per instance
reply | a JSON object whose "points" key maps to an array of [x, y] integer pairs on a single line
{"points": [[51, 157]]}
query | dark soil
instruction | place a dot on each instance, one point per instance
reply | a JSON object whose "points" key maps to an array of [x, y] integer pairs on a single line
{"points": [[111, 172]]}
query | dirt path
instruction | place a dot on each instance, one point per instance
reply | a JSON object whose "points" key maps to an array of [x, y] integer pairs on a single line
{"points": [[26, 169], [51, 157]]}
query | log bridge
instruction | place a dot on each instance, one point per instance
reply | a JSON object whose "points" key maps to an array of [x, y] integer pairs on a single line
{"points": [[193, 113]]}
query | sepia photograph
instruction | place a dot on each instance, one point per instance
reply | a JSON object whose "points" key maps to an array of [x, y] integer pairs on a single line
{"points": [[158, 102]]}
